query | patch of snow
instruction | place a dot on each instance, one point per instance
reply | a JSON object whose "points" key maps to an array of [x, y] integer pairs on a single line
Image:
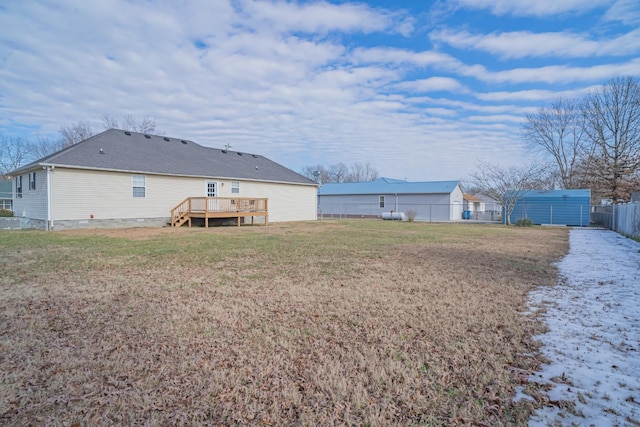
{"points": [[593, 338], [520, 394]]}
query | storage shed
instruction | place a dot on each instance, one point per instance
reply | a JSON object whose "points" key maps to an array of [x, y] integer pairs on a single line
{"points": [[423, 201], [554, 207]]}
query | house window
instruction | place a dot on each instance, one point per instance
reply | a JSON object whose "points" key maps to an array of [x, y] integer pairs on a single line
{"points": [[235, 187], [19, 186], [211, 189], [382, 201], [32, 180], [139, 185]]}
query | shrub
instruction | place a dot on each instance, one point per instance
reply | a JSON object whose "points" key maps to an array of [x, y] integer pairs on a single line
{"points": [[411, 215], [524, 222], [5, 213]]}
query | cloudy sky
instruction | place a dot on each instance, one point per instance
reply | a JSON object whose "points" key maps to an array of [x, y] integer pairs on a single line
{"points": [[422, 90]]}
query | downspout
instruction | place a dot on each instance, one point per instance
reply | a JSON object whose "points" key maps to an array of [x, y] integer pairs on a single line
{"points": [[49, 198]]}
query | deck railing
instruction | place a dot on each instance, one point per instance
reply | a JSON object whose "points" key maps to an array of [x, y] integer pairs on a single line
{"points": [[218, 207]]}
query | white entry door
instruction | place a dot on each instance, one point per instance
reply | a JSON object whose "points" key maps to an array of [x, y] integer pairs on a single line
{"points": [[212, 188]]}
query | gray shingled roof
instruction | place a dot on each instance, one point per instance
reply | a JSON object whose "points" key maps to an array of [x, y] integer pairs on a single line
{"points": [[119, 150]]}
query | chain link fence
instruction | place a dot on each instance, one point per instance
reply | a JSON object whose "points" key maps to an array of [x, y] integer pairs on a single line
{"points": [[412, 211], [624, 218]]}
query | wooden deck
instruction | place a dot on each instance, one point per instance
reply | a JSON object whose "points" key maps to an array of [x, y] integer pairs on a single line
{"points": [[219, 207]]}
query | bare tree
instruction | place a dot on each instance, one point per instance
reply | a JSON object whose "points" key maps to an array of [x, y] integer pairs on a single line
{"points": [[109, 122], [43, 147], [507, 185], [14, 152], [317, 173], [361, 172], [559, 131], [338, 172], [143, 125], [74, 133], [612, 114]]}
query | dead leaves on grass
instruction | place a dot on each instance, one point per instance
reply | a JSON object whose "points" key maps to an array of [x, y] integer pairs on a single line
{"points": [[424, 333]]}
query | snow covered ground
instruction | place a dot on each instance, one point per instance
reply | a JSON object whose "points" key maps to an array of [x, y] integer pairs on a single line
{"points": [[593, 342]]}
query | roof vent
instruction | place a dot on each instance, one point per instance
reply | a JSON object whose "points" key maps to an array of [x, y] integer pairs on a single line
{"points": [[147, 136], [224, 151], [166, 139], [126, 132], [254, 156], [101, 151], [183, 141], [239, 153]]}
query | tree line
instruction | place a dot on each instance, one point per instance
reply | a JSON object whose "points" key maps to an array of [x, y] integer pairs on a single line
{"points": [[592, 142], [16, 151], [339, 172]]}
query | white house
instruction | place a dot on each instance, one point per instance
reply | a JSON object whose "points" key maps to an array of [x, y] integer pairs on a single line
{"points": [[122, 178], [473, 206], [6, 196], [426, 201]]}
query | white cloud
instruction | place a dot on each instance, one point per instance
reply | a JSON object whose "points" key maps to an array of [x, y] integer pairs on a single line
{"points": [[501, 118], [625, 11], [522, 44], [534, 94], [322, 17], [433, 84], [473, 107], [354, 77], [440, 112], [399, 57], [295, 81], [533, 8], [551, 74], [554, 74]]}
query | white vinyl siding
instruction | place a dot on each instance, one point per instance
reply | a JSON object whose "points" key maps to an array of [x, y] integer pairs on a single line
{"points": [[287, 202], [75, 196], [32, 203]]}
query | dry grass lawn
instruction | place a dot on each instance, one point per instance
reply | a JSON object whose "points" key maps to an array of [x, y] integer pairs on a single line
{"points": [[323, 323]]}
